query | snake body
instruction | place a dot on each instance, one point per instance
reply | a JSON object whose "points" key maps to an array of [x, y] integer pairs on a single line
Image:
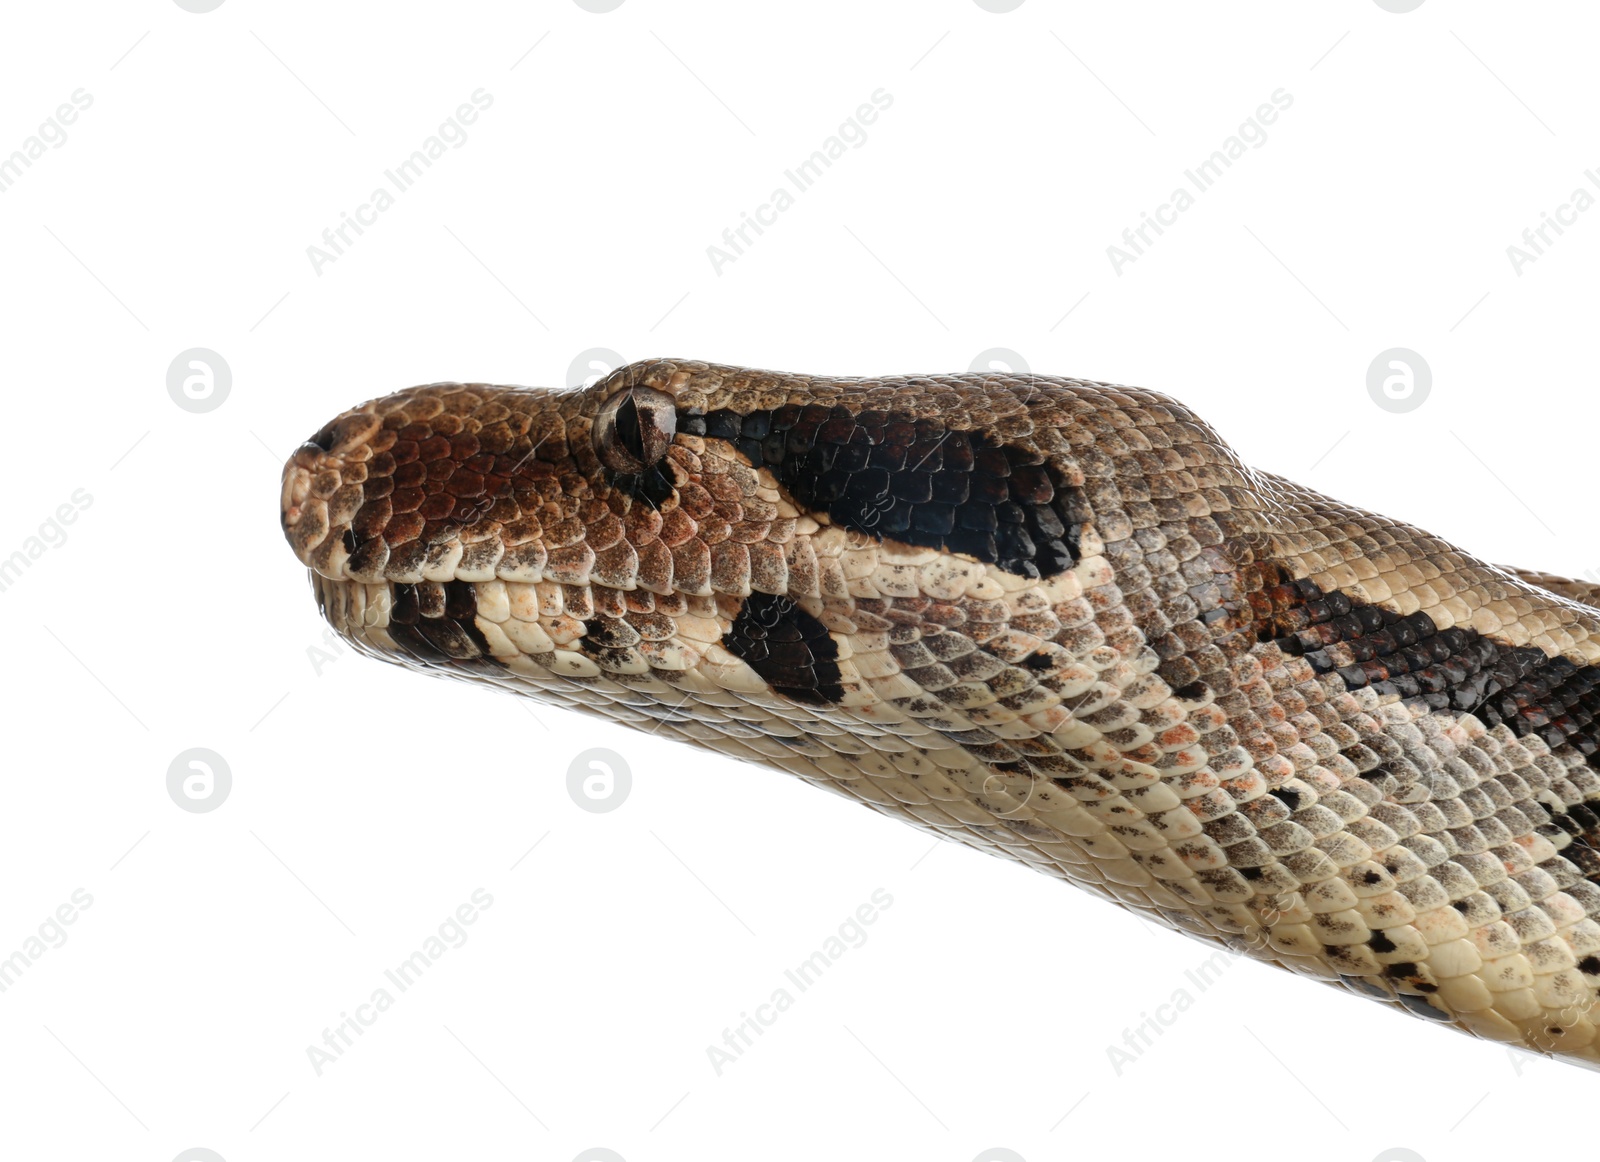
{"points": [[1056, 620]]}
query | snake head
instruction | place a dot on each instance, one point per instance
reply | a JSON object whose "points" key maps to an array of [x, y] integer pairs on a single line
{"points": [[675, 522], [1054, 620]]}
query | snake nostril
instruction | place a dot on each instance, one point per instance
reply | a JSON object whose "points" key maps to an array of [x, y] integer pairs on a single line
{"points": [[324, 438]]}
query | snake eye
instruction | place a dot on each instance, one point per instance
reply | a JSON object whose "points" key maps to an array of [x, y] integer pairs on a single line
{"points": [[633, 431], [632, 434]]}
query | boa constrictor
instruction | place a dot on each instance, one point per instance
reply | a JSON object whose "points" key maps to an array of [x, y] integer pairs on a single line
{"points": [[1056, 620]]}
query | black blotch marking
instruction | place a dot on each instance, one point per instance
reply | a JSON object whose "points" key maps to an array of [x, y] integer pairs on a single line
{"points": [[1585, 857], [1289, 798], [788, 647], [1590, 965], [1455, 669], [1380, 943], [892, 476], [349, 539], [610, 633], [1402, 970], [608, 640], [411, 640], [448, 638], [404, 613]]}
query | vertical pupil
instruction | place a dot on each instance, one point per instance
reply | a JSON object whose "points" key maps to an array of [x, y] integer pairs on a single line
{"points": [[628, 433]]}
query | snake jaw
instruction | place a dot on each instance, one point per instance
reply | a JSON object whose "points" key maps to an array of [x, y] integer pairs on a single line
{"points": [[1053, 620]]}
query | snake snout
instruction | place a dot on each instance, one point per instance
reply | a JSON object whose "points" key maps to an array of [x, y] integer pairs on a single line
{"points": [[419, 484], [318, 480]]}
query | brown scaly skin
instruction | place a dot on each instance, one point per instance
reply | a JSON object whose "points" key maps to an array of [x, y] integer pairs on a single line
{"points": [[1056, 620]]}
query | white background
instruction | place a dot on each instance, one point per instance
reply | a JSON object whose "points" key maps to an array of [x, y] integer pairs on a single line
{"points": [[368, 803]]}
